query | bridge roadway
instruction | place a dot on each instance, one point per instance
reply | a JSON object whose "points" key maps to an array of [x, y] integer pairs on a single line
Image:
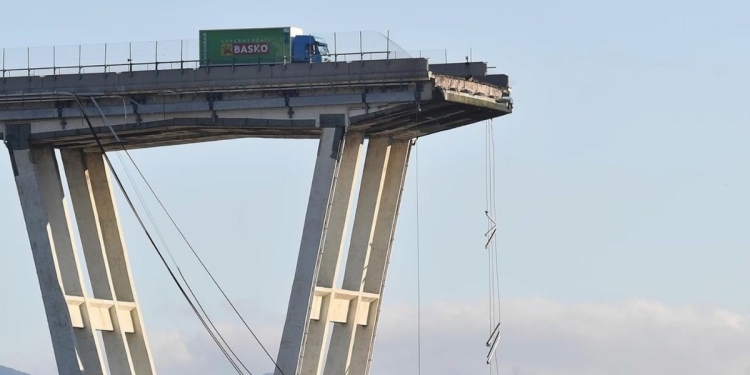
{"points": [[404, 98], [389, 102]]}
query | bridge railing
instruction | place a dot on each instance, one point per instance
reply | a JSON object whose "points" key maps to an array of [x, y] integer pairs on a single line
{"points": [[180, 54]]}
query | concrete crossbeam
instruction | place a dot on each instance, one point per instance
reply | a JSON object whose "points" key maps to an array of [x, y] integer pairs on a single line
{"points": [[338, 301], [100, 318]]}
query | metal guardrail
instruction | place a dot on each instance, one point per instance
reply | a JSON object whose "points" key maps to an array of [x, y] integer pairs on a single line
{"points": [[178, 54]]}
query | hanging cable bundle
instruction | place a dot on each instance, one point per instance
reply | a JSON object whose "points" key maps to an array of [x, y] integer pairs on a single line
{"points": [[491, 247]]}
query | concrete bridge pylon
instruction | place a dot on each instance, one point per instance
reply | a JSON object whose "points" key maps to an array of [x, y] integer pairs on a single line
{"points": [[387, 103]]}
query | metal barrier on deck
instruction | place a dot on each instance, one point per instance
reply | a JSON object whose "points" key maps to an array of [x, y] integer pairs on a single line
{"points": [[181, 54]]}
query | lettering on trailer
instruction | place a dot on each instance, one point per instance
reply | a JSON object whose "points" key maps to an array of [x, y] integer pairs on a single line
{"points": [[258, 48]]}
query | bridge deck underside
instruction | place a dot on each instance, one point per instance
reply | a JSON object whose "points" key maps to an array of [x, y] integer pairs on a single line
{"points": [[401, 122]]}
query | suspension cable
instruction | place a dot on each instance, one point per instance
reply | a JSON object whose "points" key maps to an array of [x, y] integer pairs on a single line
{"points": [[153, 243]]}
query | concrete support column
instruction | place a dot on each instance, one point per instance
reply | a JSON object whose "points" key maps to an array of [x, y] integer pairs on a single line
{"points": [[377, 265], [107, 261], [363, 231], [333, 246], [30, 182], [313, 235], [68, 263]]}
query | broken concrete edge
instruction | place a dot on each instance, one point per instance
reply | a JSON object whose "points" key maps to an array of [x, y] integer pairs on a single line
{"points": [[449, 83]]}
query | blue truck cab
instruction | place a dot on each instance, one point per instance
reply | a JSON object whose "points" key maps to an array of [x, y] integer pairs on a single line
{"points": [[308, 48]]}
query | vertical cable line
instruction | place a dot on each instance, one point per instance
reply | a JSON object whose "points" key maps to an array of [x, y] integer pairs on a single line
{"points": [[490, 278], [492, 248], [419, 288], [494, 242]]}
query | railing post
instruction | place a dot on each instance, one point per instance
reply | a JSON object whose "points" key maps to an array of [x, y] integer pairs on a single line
{"points": [[335, 49], [388, 47], [156, 57], [54, 63], [182, 57], [28, 61], [130, 58], [105, 57]]}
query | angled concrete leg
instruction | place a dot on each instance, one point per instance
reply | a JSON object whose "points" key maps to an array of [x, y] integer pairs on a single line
{"points": [[67, 261], [377, 266], [114, 303], [31, 190], [363, 231], [333, 245], [313, 235]]}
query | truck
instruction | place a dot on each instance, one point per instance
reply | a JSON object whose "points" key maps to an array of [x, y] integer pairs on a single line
{"points": [[260, 46]]}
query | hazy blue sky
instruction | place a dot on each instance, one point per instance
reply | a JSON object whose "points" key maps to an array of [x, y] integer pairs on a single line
{"points": [[622, 187]]}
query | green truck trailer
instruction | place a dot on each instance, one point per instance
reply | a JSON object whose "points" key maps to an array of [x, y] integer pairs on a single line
{"points": [[259, 46]]}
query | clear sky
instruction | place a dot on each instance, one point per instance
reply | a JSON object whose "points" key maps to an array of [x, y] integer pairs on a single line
{"points": [[622, 188]]}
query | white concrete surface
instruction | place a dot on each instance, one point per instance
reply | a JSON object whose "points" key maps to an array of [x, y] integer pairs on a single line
{"points": [[352, 310], [368, 204], [30, 192], [313, 234], [346, 178], [69, 271], [126, 311], [380, 254], [116, 315]]}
